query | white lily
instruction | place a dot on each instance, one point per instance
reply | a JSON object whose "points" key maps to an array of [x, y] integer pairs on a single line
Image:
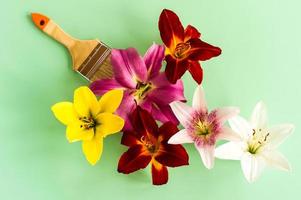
{"points": [[257, 146], [202, 128]]}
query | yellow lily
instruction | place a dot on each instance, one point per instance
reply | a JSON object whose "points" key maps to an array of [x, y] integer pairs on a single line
{"points": [[89, 120]]}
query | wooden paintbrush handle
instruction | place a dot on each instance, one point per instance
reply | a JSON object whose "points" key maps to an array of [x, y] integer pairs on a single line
{"points": [[52, 29]]}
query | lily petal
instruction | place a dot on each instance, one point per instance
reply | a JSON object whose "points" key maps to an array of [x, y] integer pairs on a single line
{"points": [[201, 50], [199, 100], [153, 59], [172, 155], [182, 111], [252, 166], [180, 137], [125, 108], [259, 116], [170, 92], [225, 113], [129, 138], [277, 160], [279, 133], [85, 102], [167, 130], [191, 32], [99, 87], [207, 155], [133, 159], [229, 151], [110, 101], [76, 132], [93, 149], [175, 68], [128, 65], [148, 122], [171, 29], [163, 114], [196, 71], [108, 124], [159, 173], [64, 112], [228, 134], [241, 126]]}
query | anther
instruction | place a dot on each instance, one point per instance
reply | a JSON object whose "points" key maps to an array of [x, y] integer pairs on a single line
{"points": [[253, 132], [267, 135]]}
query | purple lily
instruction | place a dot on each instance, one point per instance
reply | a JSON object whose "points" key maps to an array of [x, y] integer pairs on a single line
{"points": [[143, 84]]}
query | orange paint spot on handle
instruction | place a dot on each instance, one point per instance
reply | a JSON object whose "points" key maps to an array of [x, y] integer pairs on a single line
{"points": [[40, 20]]}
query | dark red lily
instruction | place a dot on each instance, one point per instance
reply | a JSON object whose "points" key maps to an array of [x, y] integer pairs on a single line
{"points": [[184, 48], [148, 145]]}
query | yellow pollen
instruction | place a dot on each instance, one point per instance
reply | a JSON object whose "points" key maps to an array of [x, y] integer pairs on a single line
{"points": [[202, 128]]}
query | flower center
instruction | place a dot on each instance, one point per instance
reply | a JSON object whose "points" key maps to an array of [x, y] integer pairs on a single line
{"points": [[202, 128], [87, 122], [141, 90], [151, 147], [181, 49], [257, 141]]}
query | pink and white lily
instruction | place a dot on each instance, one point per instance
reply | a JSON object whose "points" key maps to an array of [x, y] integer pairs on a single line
{"points": [[201, 127], [256, 148], [143, 84]]}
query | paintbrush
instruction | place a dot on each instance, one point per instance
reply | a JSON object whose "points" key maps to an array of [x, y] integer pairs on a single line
{"points": [[90, 58]]}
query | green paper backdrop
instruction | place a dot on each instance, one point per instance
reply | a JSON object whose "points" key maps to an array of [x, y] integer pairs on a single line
{"points": [[260, 61]]}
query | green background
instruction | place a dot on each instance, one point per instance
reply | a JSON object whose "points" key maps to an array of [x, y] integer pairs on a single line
{"points": [[260, 61]]}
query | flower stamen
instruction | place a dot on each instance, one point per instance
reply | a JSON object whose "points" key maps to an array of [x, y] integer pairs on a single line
{"points": [[141, 90], [87, 122], [257, 142], [181, 49], [148, 144]]}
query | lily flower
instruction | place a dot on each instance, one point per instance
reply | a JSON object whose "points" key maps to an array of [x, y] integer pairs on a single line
{"points": [[89, 120], [201, 127], [184, 48], [143, 84], [257, 147], [148, 145]]}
